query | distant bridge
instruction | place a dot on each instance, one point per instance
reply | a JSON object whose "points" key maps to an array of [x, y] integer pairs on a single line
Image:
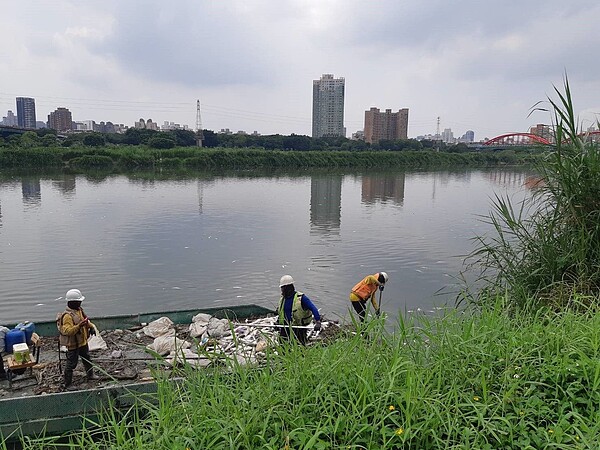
{"points": [[516, 139], [525, 139]]}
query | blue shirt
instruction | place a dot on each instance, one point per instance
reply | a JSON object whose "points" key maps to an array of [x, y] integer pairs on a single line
{"points": [[306, 304]]}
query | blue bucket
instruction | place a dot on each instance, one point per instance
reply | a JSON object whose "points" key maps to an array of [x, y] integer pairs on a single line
{"points": [[13, 337], [28, 328]]}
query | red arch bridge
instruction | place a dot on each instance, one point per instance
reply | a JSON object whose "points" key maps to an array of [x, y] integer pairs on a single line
{"points": [[518, 139], [522, 139]]}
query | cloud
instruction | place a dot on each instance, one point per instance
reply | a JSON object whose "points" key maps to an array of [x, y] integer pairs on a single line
{"points": [[196, 43], [478, 65]]}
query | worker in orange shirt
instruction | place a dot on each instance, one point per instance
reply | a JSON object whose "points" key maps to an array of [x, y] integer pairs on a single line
{"points": [[365, 291]]}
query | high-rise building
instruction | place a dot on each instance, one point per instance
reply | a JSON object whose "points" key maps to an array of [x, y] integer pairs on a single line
{"points": [[542, 131], [60, 120], [385, 125], [10, 120], [146, 124], [469, 136], [328, 107], [26, 112], [448, 136], [88, 125]]}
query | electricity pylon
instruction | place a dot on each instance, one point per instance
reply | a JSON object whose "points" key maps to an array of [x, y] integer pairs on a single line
{"points": [[199, 133]]}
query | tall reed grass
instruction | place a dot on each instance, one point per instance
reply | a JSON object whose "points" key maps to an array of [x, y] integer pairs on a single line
{"points": [[486, 381], [547, 249]]}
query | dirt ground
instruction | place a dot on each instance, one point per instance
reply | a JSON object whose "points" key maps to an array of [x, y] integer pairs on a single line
{"points": [[125, 360]]}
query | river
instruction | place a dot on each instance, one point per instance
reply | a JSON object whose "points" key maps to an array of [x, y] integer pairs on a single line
{"points": [[139, 243]]}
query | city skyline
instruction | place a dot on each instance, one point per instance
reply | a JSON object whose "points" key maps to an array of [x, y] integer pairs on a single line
{"points": [[477, 67], [328, 100]]}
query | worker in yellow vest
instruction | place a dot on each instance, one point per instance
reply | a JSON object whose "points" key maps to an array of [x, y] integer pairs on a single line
{"points": [[75, 329], [365, 290], [295, 309]]}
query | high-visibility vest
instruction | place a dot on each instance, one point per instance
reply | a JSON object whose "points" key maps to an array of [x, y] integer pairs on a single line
{"points": [[75, 340], [300, 316], [363, 290]]}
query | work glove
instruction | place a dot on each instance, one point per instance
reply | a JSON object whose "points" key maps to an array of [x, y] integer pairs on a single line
{"points": [[92, 331], [317, 325], [381, 287]]}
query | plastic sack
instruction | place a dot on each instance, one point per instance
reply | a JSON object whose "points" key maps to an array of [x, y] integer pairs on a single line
{"points": [[160, 327], [197, 329], [188, 357], [163, 345], [218, 327], [201, 318], [96, 342]]}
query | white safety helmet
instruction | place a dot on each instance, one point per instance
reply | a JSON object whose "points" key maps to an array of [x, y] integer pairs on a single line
{"points": [[74, 295], [285, 280], [385, 277]]}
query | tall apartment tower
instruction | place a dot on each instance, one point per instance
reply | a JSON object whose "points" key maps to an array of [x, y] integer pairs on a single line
{"points": [[385, 125], [60, 120], [328, 107], [26, 112]]}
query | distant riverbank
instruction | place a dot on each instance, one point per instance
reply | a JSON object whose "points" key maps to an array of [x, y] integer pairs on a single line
{"points": [[141, 157]]}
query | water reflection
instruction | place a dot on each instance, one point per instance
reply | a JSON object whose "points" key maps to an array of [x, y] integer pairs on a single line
{"points": [[200, 196], [147, 242], [509, 179], [32, 191], [65, 185], [383, 188], [203, 183], [325, 204]]}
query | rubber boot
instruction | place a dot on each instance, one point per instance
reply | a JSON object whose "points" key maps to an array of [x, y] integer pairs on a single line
{"points": [[68, 379], [90, 374]]}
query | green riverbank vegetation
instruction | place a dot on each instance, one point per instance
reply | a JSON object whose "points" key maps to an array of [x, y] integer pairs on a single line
{"points": [[152, 150], [109, 158], [518, 366], [484, 381]]}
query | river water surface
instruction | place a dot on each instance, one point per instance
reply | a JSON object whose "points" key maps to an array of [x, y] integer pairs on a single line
{"points": [[136, 243]]}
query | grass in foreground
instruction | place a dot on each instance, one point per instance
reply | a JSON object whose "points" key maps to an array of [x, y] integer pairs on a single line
{"points": [[484, 381]]}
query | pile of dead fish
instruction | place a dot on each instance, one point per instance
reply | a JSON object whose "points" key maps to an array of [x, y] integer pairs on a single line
{"points": [[210, 340]]}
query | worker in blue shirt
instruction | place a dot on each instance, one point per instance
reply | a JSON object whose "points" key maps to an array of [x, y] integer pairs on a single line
{"points": [[297, 310]]}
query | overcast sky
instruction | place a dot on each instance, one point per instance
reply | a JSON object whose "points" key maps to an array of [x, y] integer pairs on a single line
{"points": [[477, 64]]}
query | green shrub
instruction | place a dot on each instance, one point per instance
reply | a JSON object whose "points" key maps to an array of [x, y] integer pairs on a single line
{"points": [[94, 140], [91, 162], [160, 142], [171, 163], [29, 157]]}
